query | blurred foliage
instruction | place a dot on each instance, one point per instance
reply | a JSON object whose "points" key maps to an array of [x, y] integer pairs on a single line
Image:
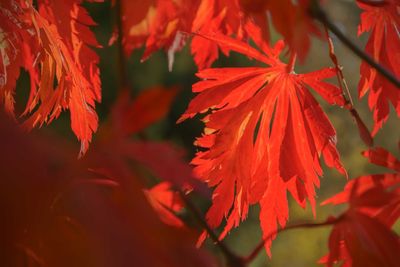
{"points": [[295, 248]]}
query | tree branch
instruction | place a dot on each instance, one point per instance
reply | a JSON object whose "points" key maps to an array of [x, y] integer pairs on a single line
{"points": [[316, 12], [123, 77], [232, 258], [349, 105], [260, 246], [376, 3]]}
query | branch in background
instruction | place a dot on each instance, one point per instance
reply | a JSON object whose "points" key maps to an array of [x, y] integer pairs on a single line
{"points": [[123, 80], [320, 15], [349, 105], [260, 246], [121, 62], [377, 3], [232, 258], [341, 80]]}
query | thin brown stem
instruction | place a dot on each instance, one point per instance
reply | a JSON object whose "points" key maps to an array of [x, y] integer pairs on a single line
{"points": [[121, 61], [123, 80], [260, 245], [317, 12], [232, 259], [349, 104], [341, 80]]}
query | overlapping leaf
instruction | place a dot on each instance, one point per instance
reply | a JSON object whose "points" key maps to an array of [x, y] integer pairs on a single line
{"points": [[17, 50], [167, 24], [166, 202], [165, 21], [53, 45], [362, 236], [161, 159], [383, 21], [160, 27], [290, 18], [264, 136], [61, 214]]}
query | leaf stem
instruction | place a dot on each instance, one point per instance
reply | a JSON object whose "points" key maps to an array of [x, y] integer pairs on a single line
{"points": [[232, 258], [316, 12], [292, 62], [349, 105]]}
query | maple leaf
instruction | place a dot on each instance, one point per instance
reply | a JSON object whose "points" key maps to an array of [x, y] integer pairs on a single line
{"points": [[362, 236], [263, 137], [61, 214], [16, 51], [165, 202], [382, 157], [358, 240], [167, 23], [153, 104], [204, 51], [161, 159], [136, 18], [290, 18], [221, 16], [161, 26], [156, 159], [383, 45], [53, 45]]}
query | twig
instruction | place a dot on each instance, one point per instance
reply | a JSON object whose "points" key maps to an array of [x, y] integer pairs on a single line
{"points": [[232, 258], [121, 62], [260, 246], [373, 3], [123, 80], [349, 105], [316, 12], [340, 76]]}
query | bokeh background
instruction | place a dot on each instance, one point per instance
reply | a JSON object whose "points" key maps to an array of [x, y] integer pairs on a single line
{"points": [[296, 248]]}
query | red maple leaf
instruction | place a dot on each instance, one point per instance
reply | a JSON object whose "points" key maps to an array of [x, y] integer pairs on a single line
{"points": [[290, 18], [166, 203], [61, 214], [53, 45], [383, 45], [161, 159], [161, 26], [167, 24], [362, 236], [226, 17], [18, 50], [152, 104], [263, 137], [136, 18], [382, 157]]}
